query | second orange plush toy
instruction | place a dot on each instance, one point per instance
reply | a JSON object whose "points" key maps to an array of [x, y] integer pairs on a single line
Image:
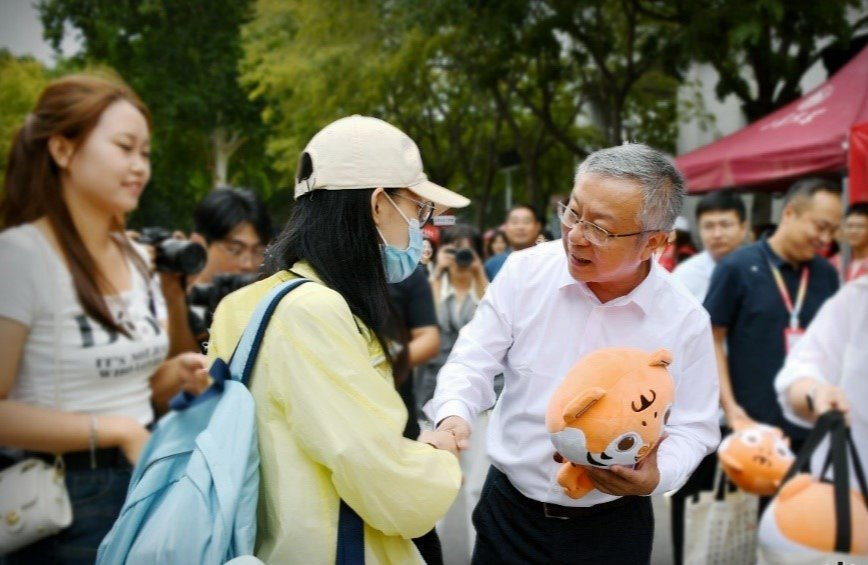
{"points": [[609, 410]]}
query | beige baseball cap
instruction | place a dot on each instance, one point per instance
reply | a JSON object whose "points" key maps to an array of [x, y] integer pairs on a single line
{"points": [[364, 152]]}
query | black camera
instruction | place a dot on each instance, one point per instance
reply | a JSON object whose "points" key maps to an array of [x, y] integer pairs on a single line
{"points": [[174, 255], [464, 257], [209, 296]]}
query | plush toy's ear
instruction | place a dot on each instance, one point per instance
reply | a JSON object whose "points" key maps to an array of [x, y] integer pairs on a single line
{"points": [[661, 357], [582, 402], [729, 461]]}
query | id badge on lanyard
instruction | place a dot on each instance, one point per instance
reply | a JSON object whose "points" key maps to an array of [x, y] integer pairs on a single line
{"points": [[793, 333], [792, 337]]}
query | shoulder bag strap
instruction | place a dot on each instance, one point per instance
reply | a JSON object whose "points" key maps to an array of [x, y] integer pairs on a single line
{"points": [[803, 458], [857, 467], [843, 524]]}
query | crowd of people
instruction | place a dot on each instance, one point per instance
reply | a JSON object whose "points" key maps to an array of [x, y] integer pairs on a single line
{"points": [[413, 342]]}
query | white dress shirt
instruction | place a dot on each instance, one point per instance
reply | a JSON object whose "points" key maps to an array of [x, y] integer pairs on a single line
{"points": [[695, 274], [833, 350], [533, 324]]}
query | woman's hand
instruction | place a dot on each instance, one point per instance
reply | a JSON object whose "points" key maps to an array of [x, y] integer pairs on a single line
{"points": [[440, 439], [445, 260], [191, 370]]}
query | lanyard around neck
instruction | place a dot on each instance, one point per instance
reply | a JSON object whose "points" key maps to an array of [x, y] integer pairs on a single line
{"points": [[793, 309]]}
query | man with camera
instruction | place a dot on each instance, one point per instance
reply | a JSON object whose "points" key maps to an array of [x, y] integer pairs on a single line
{"points": [[230, 231], [234, 228]]}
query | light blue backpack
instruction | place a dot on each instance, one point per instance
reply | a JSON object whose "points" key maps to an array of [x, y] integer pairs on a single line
{"points": [[193, 493]]}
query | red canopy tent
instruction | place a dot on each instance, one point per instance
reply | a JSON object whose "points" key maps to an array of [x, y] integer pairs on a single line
{"points": [[813, 134]]}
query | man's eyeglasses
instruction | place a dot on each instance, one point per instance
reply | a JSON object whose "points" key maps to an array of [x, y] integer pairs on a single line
{"points": [[592, 232], [426, 209], [238, 250]]}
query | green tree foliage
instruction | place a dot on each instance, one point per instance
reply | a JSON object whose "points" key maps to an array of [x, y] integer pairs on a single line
{"points": [[775, 41], [21, 81], [543, 81], [182, 58]]}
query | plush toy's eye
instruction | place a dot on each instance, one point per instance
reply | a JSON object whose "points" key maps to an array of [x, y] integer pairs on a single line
{"points": [[626, 443], [782, 450], [666, 416], [751, 437]]}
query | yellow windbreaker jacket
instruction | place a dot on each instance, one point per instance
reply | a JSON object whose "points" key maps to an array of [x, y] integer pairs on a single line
{"points": [[329, 424]]}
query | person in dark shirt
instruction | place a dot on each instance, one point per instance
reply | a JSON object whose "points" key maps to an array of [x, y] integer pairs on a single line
{"points": [[415, 325], [414, 329], [764, 295]]}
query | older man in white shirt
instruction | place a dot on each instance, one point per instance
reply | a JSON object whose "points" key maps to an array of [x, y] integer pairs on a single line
{"points": [[549, 306]]}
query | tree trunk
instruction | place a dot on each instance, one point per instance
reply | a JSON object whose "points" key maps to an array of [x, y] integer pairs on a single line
{"points": [[225, 145]]}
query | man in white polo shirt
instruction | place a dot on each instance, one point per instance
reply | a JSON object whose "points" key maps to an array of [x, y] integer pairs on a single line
{"points": [[549, 306], [720, 217]]}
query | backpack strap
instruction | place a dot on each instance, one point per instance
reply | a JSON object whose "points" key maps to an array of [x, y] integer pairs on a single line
{"points": [[244, 357], [351, 537]]}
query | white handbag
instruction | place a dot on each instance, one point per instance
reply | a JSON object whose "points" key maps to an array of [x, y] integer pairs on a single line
{"points": [[34, 503]]}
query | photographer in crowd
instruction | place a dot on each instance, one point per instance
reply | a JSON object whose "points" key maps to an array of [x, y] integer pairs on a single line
{"points": [[234, 228]]}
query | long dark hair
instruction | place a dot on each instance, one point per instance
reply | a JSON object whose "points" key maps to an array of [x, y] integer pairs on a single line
{"points": [[335, 232], [70, 107]]}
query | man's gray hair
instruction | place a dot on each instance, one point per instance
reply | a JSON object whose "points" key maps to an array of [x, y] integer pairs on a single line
{"points": [[661, 183]]}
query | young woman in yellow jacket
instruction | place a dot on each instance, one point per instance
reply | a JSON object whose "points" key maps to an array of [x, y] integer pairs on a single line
{"points": [[329, 418]]}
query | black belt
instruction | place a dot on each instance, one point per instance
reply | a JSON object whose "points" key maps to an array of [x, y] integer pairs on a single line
{"points": [[108, 458], [557, 511]]}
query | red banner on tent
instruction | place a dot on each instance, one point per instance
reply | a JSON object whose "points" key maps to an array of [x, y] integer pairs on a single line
{"points": [[858, 163]]}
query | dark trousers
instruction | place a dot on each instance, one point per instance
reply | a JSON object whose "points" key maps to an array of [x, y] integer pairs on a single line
{"points": [[511, 528]]}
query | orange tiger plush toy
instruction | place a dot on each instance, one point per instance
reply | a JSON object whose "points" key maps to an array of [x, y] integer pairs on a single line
{"points": [[802, 518], [609, 410], [756, 457]]}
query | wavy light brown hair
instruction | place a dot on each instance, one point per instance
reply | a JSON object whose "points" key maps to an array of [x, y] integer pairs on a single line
{"points": [[70, 107]]}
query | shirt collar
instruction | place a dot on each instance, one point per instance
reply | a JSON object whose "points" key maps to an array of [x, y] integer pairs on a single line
{"points": [[776, 259], [642, 296], [303, 269]]}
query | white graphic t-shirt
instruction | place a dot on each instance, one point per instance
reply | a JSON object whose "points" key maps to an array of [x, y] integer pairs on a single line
{"points": [[69, 360]]}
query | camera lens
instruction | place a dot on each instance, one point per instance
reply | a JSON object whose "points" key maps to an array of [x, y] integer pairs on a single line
{"points": [[463, 257], [179, 256]]}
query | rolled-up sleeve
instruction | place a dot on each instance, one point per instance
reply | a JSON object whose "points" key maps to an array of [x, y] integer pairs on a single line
{"points": [[693, 426], [349, 419], [465, 384]]}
